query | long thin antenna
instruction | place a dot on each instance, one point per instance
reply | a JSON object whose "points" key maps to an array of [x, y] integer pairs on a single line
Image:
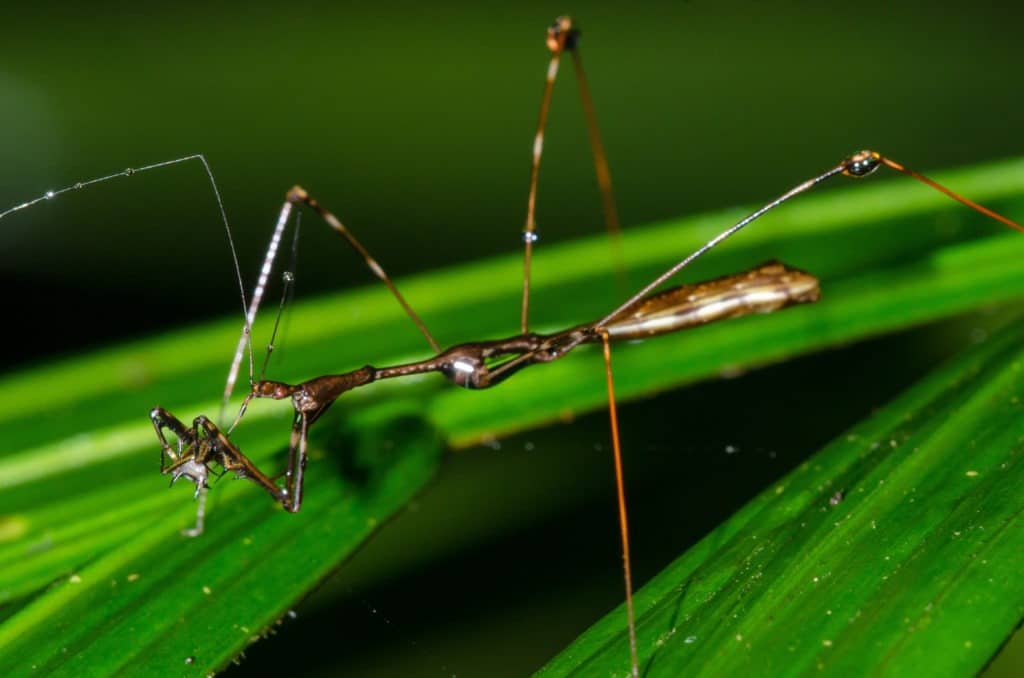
{"points": [[131, 171], [627, 570]]}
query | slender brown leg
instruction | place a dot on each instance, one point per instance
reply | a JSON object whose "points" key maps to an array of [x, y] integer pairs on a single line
{"points": [[299, 195], [601, 169], [183, 462], [227, 454], [892, 164], [627, 571], [162, 419], [563, 37], [207, 443], [557, 36]]}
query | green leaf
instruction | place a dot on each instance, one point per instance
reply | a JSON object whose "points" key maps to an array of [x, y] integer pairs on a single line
{"points": [[160, 600], [89, 540], [895, 550]]}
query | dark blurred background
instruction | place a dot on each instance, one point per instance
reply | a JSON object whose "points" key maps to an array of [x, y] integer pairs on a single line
{"points": [[414, 122]]}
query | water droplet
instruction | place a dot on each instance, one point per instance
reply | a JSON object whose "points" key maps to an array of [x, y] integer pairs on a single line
{"points": [[530, 236], [288, 276], [690, 640], [190, 660], [50, 194], [78, 185], [129, 171]]}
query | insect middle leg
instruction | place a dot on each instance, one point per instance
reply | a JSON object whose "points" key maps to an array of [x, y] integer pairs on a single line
{"points": [[563, 36]]}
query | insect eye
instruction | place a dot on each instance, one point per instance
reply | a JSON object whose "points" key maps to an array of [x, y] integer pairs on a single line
{"points": [[555, 30], [861, 164]]}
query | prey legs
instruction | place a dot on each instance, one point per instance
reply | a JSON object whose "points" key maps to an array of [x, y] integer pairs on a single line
{"points": [[202, 443]]}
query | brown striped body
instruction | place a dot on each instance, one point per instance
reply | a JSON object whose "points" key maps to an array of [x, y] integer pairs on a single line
{"points": [[769, 287]]}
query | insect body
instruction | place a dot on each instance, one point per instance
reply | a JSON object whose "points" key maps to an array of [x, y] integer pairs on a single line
{"points": [[478, 365]]}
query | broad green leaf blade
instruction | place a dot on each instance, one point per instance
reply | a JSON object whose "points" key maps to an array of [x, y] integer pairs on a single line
{"points": [[164, 603], [895, 550], [81, 496]]}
